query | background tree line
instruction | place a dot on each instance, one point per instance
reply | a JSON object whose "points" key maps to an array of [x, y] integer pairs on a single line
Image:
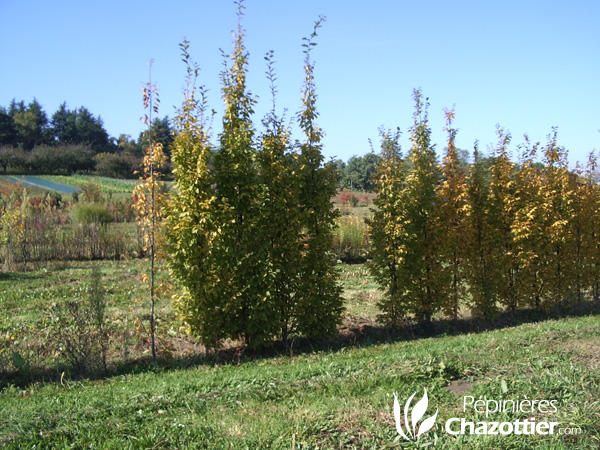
{"points": [[74, 140], [71, 140]]}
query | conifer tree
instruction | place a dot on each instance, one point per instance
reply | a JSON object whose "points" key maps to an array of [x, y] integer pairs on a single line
{"points": [[320, 304]]}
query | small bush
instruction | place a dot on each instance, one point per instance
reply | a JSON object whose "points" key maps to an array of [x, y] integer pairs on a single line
{"points": [[351, 241], [86, 213], [80, 329]]}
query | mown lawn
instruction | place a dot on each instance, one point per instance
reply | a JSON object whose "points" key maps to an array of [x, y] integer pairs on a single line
{"points": [[326, 397]]}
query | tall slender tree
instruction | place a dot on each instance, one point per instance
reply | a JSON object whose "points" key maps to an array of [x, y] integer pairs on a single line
{"points": [[386, 228], [281, 221], [528, 230], [149, 201], [424, 273], [192, 230], [557, 270], [452, 200], [480, 273], [320, 306], [502, 209]]}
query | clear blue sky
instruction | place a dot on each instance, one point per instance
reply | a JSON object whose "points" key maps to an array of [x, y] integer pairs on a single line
{"points": [[526, 65]]}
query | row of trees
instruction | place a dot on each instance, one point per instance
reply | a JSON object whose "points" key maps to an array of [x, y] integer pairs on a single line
{"points": [[491, 236], [70, 139], [66, 159], [249, 225], [27, 126]]}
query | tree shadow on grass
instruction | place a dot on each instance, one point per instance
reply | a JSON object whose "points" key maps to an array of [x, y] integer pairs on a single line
{"points": [[351, 334]]}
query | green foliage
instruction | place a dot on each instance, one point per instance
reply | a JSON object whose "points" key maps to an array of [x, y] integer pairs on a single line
{"points": [[406, 233], [480, 256], [88, 213], [320, 305], [30, 123], [115, 165], [79, 328], [494, 236], [357, 174], [79, 126], [190, 229], [66, 158], [160, 131], [250, 239], [452, 198], [502, 210], [386, 228], [423, 272]]}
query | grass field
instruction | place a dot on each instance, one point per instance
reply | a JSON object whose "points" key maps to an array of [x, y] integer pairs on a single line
{"points": [[337, 394]]}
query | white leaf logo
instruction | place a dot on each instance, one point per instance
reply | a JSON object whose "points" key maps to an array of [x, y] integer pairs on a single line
{"points": [[410, 432]]}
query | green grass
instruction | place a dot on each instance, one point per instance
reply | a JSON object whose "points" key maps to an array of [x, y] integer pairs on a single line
{"points": [[323, 400], [326, 398]]}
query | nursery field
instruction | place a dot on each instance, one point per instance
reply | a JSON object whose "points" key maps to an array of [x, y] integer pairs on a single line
{"points": [[105, 184], [337, 394], [41, 183], [62, 389]]}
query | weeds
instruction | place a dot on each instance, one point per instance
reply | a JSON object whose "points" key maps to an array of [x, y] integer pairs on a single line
{"points": [[80, 331], [351, 241]]}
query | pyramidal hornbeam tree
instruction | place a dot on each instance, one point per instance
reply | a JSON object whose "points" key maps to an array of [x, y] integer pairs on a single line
{"points": [[452, 201], [241, 253], [591, 213], [502, 209], [479, 246], [320, 305], [281, 225], [251, 221], [386, 228], [191, 227], [528, 230], [426, 277], [558, 252]]}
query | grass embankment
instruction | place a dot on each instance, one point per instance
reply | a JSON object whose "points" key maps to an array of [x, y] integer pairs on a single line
{"points": [[333, 398]]}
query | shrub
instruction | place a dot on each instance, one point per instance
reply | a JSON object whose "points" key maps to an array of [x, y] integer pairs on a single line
{"points": [[351, 240], [116, 165], [86, 213], [80, 328]]}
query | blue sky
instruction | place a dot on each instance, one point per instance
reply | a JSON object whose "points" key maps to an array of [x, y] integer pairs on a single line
{"points": [[526, 65]]}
